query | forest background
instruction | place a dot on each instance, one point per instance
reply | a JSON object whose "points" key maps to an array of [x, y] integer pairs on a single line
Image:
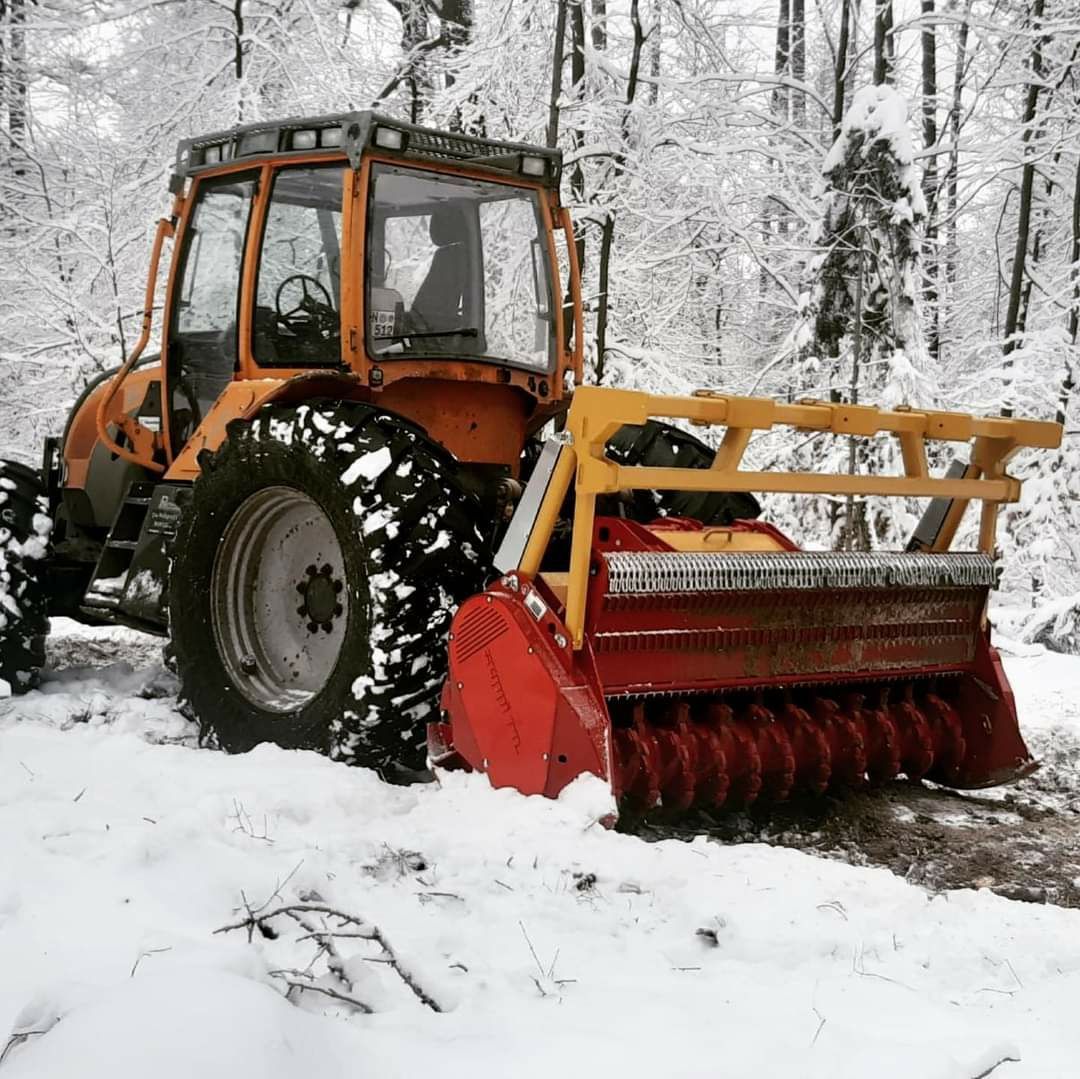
{"points": [[877, 202]]}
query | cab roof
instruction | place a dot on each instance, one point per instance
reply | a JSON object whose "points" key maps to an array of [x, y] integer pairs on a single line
{"points": [[350, 133]]}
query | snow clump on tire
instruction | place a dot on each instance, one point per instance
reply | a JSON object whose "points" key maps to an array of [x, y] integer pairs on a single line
{"points": [[24, 547]]}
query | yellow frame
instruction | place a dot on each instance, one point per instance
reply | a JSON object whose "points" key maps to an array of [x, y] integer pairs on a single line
{"points": [[597, 413]]}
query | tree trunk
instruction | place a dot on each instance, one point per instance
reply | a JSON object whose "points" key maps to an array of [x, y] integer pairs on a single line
{"points": [[556, 75], [414, 32], [930, 181], [781, 102], [1027, 185], [3, 58], [655, 43], [633, 77], [840, 79], [798, 62], [783, 60], [607, 234], [457, 23], [17, 87], [952, 244], [577, 137], [599, 25], [884, 49], [1073, 322]]}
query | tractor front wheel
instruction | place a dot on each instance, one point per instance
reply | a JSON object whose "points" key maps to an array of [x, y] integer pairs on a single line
{"points": [[316, 570]]}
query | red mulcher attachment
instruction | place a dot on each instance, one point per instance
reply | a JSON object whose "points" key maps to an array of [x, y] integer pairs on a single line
{"points": [[710, 680], [708, 668]]}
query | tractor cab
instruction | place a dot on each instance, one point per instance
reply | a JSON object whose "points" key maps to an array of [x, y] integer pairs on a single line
{"points": [[370, 259]]}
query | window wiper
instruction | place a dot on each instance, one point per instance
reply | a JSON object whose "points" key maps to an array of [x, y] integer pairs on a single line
{"points": [[469, 331]]}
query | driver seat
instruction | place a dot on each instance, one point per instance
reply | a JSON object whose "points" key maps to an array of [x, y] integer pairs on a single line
{"points": [[441, 301]]}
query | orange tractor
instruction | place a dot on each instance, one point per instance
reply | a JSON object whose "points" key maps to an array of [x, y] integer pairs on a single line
{"points": [[368, 328]]}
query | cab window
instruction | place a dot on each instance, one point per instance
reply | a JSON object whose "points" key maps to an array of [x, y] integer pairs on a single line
{"points": [[459, 266], [297, 321]]}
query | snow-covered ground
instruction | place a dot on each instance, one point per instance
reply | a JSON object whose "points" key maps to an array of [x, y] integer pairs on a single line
{"points": [[552, 946]]}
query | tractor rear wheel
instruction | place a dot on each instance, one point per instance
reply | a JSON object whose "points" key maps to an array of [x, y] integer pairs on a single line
{"points": [[24, 539], [316, 570]]}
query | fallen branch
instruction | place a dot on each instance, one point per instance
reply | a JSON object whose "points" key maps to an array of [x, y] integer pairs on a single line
{"points": [[18, 1039], [336, 925], [994, 1067]]}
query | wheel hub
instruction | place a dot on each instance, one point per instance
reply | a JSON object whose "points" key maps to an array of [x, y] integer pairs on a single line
{"points": [[320, 590]]}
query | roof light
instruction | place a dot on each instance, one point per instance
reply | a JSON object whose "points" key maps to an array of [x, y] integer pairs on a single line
{"points": [[304, 140], [330, 136], [258, 142], [212, 155], [533, 166], [389, 138]]}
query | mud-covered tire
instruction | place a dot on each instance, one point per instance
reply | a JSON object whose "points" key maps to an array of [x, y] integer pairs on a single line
{"points": [[410, 550], [24, 549]]}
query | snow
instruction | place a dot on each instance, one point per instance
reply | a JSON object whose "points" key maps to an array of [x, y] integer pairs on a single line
{"points": [[557, 946], [881, 113], [369, 467]]}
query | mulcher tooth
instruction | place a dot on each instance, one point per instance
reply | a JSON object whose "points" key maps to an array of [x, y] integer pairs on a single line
{"points": [[813, 759], [882, 739], [948, 732], [742, 760], [917, 746], [847, 741], [775, 750], [639, 759], [678, 758], [713, 778]]}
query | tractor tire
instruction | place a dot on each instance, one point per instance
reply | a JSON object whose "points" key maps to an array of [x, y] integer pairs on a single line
{"points": [[315, 572], [24, 550]]}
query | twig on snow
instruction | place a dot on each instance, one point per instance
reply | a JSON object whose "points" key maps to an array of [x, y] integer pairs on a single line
{"points": [[143, 955], [994, 1067], [348, 927], [548, 975], [304, 981]]}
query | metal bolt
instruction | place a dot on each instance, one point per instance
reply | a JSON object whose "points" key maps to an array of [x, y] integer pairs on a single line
{"points": [[248, 664], [560, 640]]}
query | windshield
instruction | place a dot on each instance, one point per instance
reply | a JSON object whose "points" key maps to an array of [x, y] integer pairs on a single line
{"points": [[459, 267]]}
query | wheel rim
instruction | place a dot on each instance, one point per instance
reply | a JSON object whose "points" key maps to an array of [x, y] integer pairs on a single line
{"points": [[279, 605]]}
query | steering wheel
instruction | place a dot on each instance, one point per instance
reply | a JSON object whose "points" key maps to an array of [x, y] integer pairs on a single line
{"points": [[309, 312]]}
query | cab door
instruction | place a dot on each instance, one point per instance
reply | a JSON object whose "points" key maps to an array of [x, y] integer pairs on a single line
{"points": [[203, 331]]}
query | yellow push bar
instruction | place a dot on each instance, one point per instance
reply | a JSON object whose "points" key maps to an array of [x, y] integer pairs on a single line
{"points": [[597, 413]]}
